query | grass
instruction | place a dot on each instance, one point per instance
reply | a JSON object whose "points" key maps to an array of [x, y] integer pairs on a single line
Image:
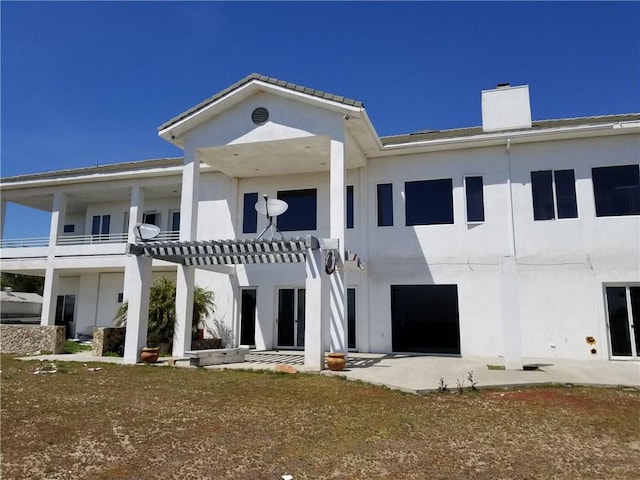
{"points": [[123, 422], [74, 347]]}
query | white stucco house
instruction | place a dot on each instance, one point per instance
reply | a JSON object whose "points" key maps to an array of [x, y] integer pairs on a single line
{"points": [[517, 238]]}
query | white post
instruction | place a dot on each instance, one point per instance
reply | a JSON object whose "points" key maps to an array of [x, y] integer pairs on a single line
{"points": [[186, 274], [49, 295], [136, 209], [139, 283], [315, 298], [337, 222], [58, 213]]}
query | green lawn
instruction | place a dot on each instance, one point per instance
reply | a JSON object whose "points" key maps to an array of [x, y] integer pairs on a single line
{"points": [[148, 422]]}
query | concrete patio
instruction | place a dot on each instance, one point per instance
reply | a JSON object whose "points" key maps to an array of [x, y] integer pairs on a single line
{"points": [[422, 373]]}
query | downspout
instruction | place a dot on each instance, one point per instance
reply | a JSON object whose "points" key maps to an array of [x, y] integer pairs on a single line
{"points": [[512, 229]]}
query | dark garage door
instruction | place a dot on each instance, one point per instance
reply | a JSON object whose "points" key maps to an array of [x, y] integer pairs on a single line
{"points": [[424, 318]]}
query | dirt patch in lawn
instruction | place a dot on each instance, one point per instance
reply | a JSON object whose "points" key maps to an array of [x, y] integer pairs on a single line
{"points": [[151, 422]]}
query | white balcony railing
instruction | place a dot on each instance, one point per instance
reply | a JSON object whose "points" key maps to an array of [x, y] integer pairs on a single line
{"points": [[24, 242], [80, 240]]}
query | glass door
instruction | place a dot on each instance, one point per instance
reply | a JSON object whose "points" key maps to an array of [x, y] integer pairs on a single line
{"points": [[248, 317], [290, 319], [623, 313]]}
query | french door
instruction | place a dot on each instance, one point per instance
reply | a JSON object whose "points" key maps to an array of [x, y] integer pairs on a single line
{"points": [[290, 318], [623, 313]]}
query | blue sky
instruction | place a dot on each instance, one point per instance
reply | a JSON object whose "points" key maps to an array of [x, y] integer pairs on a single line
{"points": [[86, 83]]}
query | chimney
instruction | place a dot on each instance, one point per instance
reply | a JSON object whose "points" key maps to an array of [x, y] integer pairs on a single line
{"points": [[506, 108]]}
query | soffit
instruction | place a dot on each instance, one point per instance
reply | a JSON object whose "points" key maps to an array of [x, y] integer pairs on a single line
{"points": [[277, 157]]}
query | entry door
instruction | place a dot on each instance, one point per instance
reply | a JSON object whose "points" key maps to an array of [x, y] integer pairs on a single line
{"points": [[248, 317], [290, 320], [623, 309], [65, 310]]}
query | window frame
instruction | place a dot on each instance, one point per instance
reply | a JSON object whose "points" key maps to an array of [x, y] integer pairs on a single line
{"points": [[249, 225], [466, 200], [289, 228], [350, 206], [555, 213], [595, 199], [384, 191], [422, 222]]}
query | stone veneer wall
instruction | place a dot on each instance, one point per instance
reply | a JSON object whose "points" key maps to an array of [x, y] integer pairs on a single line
{"points": [[32, 339], [107, 339]]}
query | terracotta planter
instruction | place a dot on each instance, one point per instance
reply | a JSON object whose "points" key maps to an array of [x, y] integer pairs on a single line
{"points": [[336, 361], [150, 354]]}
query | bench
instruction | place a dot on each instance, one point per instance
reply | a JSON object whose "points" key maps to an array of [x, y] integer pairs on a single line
{"points": [[217, 356]]}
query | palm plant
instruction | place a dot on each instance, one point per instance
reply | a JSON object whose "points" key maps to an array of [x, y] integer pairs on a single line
{"points": [[162, 311]]}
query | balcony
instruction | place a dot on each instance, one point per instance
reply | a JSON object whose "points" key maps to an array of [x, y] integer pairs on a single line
{"points": [[80, 240]]}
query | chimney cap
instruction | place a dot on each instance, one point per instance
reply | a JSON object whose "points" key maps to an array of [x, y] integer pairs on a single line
{"points": [[503, 85]]}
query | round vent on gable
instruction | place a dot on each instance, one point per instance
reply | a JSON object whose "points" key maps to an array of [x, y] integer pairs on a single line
{"points": [[260, 116]]}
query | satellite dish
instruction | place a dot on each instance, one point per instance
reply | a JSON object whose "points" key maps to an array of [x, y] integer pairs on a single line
{"points": [[271, 207], [146, 231]]}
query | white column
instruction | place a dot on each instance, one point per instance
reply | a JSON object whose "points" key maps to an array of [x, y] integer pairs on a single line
{"points": [[315, 311], [337, 222], [185, 274], [510, 314], [3, 213], [184, 310], [139, 277], [136, 209], [58, 213], [49, 295]]}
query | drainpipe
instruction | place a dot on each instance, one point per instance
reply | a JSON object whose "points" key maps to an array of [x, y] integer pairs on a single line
{"points": [[512, 338]]}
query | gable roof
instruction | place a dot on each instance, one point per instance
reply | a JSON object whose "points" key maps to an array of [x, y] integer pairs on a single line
{"points": [[426, 135], [266, 79]]}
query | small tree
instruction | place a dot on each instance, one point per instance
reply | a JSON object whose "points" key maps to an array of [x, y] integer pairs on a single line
{"points": [[162, 311]]}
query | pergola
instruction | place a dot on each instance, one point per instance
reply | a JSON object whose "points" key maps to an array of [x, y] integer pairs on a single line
{"points": [[206, 254]]}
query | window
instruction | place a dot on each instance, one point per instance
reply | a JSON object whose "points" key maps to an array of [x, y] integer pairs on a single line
{"points": [[120, 297], [301, 214], [475, 199], [616, 190], [151, 217], [250, 215], [351, 317], [175, 221], [349, 206], [429, 202], [100, 225], [69, 228], [554, 194], [385, 205]]}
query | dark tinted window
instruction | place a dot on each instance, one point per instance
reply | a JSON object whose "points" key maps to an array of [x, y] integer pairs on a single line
{"points": [[175, 221], [565, 181], [385, 204], [475, 199], [250, 215], [424, 318], [349, 206], [301, 214], [542, 192], [351, 317], [429, 202], [69, 228], [617, 190]]}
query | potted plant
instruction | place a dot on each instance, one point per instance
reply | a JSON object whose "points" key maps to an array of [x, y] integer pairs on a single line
{"points": [[162, 316], [336, 361]]}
